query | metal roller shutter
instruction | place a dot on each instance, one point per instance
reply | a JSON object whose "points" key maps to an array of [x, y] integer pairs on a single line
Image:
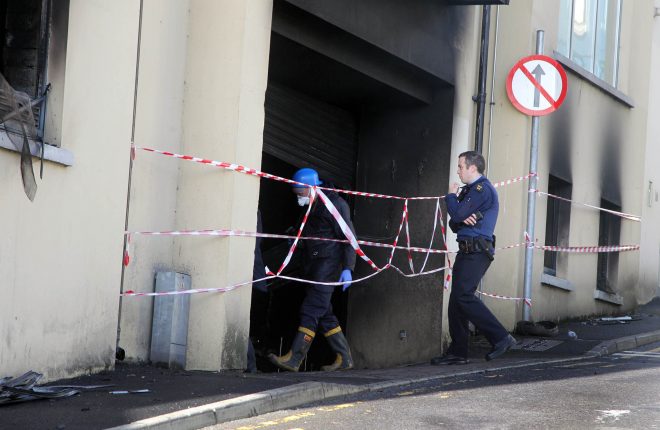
{"points": [[306, 132]]}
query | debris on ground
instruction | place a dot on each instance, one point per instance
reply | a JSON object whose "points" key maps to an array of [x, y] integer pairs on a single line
{"points": [[24, 388], [541, 328], [613, 320], [146, 390]]}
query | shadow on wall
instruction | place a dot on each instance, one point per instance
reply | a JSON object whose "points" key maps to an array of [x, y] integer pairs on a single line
{"points": [[611, 157]]}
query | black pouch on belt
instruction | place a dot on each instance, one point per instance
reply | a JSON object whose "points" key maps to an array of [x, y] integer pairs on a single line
{"points": [[486, 248]]}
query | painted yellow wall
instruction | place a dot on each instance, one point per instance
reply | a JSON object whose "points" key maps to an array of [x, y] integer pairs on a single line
{"points": [[594, 117], [154, 178], [649, 265], [60, 257], [204, 68]]}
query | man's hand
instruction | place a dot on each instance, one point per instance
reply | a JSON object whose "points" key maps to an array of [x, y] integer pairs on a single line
{"points": [[453, 188], [347, 278], [471, 220]]}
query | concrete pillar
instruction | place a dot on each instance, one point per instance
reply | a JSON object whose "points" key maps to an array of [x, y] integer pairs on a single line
{"points": [[225, 83]]}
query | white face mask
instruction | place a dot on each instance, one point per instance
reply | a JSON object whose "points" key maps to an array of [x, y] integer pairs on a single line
{"points": [[303, 200]]}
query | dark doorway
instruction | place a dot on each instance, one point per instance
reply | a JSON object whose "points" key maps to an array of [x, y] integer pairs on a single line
{"points": [[350, 110]]}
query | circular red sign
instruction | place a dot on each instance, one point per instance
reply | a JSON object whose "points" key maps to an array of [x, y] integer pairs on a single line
{"points": [[526, 89]]}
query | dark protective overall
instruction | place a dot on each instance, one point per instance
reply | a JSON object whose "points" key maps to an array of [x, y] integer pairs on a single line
{"points": [[323, 262]]}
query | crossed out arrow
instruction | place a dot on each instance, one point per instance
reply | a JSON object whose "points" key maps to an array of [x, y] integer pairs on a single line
{"points": [[538, 73]]}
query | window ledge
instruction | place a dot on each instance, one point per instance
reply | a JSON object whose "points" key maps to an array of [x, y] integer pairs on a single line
{"points": [[553, 281], [594, 80], [614, 299], [51, 153]]}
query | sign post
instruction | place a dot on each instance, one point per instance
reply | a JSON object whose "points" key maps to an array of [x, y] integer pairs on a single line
{"points": [[536, 86]]}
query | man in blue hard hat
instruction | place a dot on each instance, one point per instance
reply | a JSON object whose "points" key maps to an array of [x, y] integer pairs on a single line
{"points": [[323, 261]]}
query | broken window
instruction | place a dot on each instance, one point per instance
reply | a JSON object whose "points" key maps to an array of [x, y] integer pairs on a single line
{"points": [[27, 68], [24, 36]]}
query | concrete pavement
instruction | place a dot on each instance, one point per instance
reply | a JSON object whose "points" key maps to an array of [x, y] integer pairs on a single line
{"points": [[192, 400]]}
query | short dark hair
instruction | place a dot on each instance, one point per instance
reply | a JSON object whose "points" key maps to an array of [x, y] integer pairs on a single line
{"points": [[473, 158]]}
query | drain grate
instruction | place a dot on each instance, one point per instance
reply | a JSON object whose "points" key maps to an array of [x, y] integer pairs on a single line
{"points": [[537, 345]]}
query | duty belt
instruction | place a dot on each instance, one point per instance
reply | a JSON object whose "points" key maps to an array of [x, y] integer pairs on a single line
{"points": [[476, 244]]}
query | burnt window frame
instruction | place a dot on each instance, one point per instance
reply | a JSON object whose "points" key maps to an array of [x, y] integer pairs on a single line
{"points": [[41, 45], [48, 144], [558, 221], [609, 234]]}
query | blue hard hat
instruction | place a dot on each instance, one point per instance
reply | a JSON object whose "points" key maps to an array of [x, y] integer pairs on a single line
{"points": [[306, 176]]}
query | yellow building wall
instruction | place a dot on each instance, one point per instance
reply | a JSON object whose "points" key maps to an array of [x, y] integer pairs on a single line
{"points": [[60, 256]]}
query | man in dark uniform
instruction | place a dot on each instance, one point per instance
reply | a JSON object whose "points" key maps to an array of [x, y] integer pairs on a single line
{"points": [[323, 261], [473, 213]]}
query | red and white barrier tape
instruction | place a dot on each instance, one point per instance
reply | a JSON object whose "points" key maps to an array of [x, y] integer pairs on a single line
{"points": [[588, 249], [345, 229], [617, 213], [435, 226], [127, 255], [405, 217], [312, 196], [444, 240], [351, 239], [528, 302], [131, 293], [512, 180], [254, 172], [241, 233]]}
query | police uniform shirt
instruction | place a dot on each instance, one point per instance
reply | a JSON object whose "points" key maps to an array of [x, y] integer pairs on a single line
{"points": [[479, 196]]}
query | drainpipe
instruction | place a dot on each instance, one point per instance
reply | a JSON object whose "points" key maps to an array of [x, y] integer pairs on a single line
{"points": [[119, 352], [492, 89], [480, 98]]}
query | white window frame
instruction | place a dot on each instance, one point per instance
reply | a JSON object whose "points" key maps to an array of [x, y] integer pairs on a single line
{"points": [[569, 54]]}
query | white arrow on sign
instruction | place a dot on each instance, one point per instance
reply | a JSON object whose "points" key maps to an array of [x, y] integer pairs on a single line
{"points": [[537, 85]]}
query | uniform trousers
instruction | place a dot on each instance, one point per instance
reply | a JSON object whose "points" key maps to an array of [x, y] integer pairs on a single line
{"points": [[464, 306], [316, 309]]}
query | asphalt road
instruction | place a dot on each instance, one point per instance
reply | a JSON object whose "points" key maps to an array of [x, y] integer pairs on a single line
{"points": [[618, 391]]}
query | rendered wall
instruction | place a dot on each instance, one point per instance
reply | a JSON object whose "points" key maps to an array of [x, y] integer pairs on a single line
{"points": [[60, 256], [596, 137], [158, 125], [649, 276], [203, 68]]}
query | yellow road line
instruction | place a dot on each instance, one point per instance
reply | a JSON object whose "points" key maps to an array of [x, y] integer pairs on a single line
{"points": [[284, 420], [295, 417], [336, 407]]}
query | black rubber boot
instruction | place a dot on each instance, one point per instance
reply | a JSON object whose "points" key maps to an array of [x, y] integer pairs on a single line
{"points": [[292, 359], [339, 344]]}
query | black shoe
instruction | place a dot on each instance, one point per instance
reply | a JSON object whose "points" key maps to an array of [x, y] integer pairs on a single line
{"points": [[449, 359], [501, 347]]}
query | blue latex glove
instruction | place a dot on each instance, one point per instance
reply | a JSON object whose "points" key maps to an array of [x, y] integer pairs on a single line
{"points": [[347, 278]]}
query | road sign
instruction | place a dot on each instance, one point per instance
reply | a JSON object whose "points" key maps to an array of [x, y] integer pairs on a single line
{"points": [[537, 85]]}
